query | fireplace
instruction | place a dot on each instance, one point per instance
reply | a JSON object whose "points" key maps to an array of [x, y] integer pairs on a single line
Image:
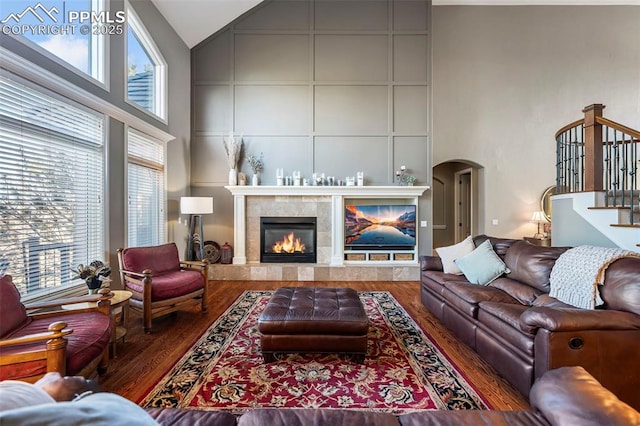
{"points": [[288, 239]]}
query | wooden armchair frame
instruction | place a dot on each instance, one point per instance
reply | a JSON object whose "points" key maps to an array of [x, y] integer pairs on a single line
{"points": [[54, 351], [141, 301]]}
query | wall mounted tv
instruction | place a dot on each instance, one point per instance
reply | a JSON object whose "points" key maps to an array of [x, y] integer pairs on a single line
{"points": [[380, 227]]}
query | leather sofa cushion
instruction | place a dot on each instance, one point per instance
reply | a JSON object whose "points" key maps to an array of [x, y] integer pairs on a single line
{"points": [[571, 396], [544, 300], [172, 284], [508, 313], [432, 286], [433, 263], [440, 278], [521, 292], [500, 245], [621, 290], [466, 297], [304, 417], [12, 312], [471, 418], [472, 293], [500, 319], [159, 259], [184, 417], [91, 335], [532, 264]]}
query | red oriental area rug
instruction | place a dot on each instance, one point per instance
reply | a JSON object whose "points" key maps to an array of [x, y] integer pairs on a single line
{"points": [[403, 371]]}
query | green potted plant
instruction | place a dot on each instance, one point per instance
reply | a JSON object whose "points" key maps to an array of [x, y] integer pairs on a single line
{"points": [[411, 180]]}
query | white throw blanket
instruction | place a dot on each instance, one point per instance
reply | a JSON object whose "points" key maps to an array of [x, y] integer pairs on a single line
{"points": [[578, 271]]}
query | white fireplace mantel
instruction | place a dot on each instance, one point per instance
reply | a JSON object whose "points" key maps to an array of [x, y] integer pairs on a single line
{"points": [[343, 191], [337, 193]]}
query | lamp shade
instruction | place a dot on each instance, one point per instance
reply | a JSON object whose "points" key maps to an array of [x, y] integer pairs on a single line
{"points": [[538, 216], [196, 205]]}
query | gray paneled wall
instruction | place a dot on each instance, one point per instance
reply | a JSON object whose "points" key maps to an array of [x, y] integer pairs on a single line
{"points": [[317, 86]]}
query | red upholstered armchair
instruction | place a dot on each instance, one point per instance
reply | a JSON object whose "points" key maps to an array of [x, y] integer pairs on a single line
{"points": [[73, 342], [160, 282]]}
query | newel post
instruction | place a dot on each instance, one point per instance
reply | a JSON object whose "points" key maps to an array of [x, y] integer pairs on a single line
{"points": [[593, 167]]}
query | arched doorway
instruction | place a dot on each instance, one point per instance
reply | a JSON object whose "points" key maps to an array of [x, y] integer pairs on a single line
{"points": [[455, 201]]}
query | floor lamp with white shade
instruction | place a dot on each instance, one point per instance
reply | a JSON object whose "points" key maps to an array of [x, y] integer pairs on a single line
{"points": [[196, 207]]}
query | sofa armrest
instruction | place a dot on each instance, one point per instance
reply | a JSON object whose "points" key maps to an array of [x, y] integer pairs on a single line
{"points": [[430, 263], [571, 396], [574, 319], [48, 347], [56, 330], [142, 279], [194, 264], [103, 295], [132, 274]]}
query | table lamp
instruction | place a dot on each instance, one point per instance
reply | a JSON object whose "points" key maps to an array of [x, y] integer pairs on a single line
{"points": [[195, 207], [539, 218]]}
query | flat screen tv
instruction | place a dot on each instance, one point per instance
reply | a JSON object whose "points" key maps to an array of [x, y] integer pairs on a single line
{"points": [[380, 227]]}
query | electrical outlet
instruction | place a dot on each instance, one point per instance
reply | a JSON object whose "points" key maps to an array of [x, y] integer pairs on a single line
{"points": [[495, 222], [423, 223]]}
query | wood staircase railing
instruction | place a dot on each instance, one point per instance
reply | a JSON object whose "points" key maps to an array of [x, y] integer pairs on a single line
{"points": [[597, 154]]}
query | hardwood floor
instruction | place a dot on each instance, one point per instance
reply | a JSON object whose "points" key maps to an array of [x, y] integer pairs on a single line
{"points": [[144, 358]]}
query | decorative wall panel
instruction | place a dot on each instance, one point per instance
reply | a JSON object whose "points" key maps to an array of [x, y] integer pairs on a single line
{"points": [[348, 110], [326, 86], [271, 57]]}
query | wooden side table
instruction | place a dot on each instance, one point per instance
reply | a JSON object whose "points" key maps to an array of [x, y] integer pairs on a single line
{"points": [[119, 310], [545, 242], [120, 315]]}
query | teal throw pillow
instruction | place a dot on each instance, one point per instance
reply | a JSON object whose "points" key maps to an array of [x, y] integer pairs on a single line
{"points": [[482, 265]]}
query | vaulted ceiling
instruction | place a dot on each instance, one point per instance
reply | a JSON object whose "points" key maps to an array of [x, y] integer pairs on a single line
{"points": [[195, 20]]}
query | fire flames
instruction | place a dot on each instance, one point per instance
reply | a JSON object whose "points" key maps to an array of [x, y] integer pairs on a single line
{"points": [[289, 244]]}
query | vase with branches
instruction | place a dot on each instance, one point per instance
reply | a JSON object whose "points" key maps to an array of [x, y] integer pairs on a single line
{"points": [[256, 165], [233, 148]]}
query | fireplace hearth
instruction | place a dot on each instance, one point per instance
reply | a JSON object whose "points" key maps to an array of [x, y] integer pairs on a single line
{"points": [[288, 239]]}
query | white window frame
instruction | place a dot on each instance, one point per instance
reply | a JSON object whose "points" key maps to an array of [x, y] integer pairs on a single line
{"points": [[71, 289], [127, 130], [159, 63], [34, 74], [99, 50]]}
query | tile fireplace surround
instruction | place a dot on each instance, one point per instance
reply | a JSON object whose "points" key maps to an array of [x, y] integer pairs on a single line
{"points": [[326, 203]]}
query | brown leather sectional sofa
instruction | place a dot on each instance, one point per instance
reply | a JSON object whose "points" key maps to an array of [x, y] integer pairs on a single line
{"points": [[523, 332], [563, 397]]}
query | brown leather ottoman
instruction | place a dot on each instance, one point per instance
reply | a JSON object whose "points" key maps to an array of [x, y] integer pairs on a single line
{"points": [[308, 319]]}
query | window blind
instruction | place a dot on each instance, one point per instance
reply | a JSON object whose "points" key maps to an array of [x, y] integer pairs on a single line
{"points": [[51, 187], [146, 199]]}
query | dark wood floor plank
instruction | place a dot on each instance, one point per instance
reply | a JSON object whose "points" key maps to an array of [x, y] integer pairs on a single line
{"points": [[144, 358]]}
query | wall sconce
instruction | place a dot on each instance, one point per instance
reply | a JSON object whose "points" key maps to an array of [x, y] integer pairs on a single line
{"points": [[539, 218], [196, 207]]}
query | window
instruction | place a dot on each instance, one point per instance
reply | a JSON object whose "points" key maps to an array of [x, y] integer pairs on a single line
{"points": [[146, 69], [51, 187], [146, 200], [54, 28]]}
